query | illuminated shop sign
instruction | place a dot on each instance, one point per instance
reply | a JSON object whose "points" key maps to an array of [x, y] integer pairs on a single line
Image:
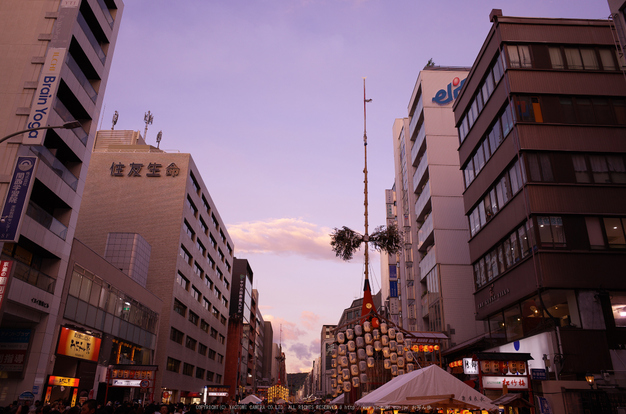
{"points": [[63, 381], [78, 345], [126, 383], [512, 383], [445, 96], [136, 169]]}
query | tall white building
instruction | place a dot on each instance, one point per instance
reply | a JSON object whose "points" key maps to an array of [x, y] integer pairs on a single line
{"points": [[434, 277]]}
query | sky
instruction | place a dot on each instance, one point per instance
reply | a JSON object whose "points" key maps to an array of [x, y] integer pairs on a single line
{"points": [[267, 96]]}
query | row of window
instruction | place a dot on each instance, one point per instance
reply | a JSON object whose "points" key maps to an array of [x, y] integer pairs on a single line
{"points": [[190, 343], [562, 109], [185, 284], [199, 245], [562, 57], [484, 91], [173, 365], [197, 268], [181, 309], [488, 144], [576, 168], [497, 196]]}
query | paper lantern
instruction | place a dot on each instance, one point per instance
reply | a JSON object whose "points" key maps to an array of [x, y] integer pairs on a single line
{"points": [[393, 357], [358, 330], [333, 363], [369, 339], [341, 337], [400, 349], [383, 328], [521, 367], [342, 361], [347, 386], [371, 362], [431, 348], [333, 373], [352, 357], [333, 382], [385, 340], [400, 337], [436, 347], [369, 350], [386, 352], [349, 334], [393, 344], [386, 364], [410, 367], [513, 367], [345, 374], [333, 351], [392, 333], [367, 326], [360, 353], [400, 371], [503, 367], [362, 366], [356, 382], [342, 349], [394, 370], [351, 346], [354, 370], [363, 378], [408, 356], [360, 342], [485, 366], [378, 346], [376, 334], [400, 362], [339, 387]]}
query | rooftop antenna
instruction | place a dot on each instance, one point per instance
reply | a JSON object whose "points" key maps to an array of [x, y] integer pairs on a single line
{"points": [[147, 118], [115, 116], [159, 137]]}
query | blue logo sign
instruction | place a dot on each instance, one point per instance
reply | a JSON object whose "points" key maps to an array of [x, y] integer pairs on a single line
{"points": [[393, 288], [445, 96], [17, 198]]}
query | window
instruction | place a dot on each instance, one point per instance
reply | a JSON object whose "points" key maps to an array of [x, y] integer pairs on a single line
{"points": [[226, 284], [519, 56], [182, 281], [193, 318], [220, 358], [220, 255], [188, 369], [209, 376], [223, 320], [573, 59], [196, 293], [218, 378], [580, 169], [216, 313], [208, 282], [225, 301], [194, 183], [230, 250], [607, 59], [599, 168], [200, 247], [223, 236], [220, 274], [212, 354], [198, 270], [202, 348], [594, 231], [213, 333], [173, 365], [189, 230], [200, 373], [213, 241], [206, 304], [185, 255], [539, 167], [191, 343], [214, 220], [203, 226], [222, 339], [176, 335], [228, 266], [556, 59], [206, 206], [204, 326], [551, 232], [211, 261], [614, 228], [218, 294], [180, 308], [192, 206]]}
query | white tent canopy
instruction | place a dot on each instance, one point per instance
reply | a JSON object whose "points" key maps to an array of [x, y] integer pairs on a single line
{"points": [[340, 399], [250, 399], [427, 386]]}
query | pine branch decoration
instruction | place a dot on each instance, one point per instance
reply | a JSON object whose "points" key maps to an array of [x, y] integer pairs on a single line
{"points": [[386, 239], [345, 242]]}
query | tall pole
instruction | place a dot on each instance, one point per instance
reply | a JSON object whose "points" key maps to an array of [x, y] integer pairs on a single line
{"points": [[366, 235]]}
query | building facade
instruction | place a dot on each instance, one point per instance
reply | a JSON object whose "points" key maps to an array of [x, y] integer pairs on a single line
{"points": [[56, 61], [542, 121], [434, 276], [135, 188], [327, 342]]}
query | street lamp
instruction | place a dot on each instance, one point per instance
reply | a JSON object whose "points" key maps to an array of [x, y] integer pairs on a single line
{"points": [[67, 125], [590, 380]]}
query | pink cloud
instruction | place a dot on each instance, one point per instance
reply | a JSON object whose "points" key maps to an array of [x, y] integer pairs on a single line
{"points": [[310, 320]]}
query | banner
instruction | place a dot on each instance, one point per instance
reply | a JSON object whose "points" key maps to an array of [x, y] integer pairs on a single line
{"points": [[78, 345], [44, 96], [17, 197]]}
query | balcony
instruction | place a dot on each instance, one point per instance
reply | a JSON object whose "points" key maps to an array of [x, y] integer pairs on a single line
{"points": [[107, 12], [67, 116], [81, 78], [423, 201], [417, 145], [55, 165], [33, 277], [418, 177], [425, 235], [91, 38], [45, 219], [415, 119], [428, 262]]}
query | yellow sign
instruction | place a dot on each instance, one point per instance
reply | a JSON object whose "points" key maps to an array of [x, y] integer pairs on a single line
{"points": [[78, 345], [64, 381]]}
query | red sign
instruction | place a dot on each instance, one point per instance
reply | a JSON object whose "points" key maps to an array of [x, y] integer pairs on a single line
{"points": [[78, 345], [5, 271]]}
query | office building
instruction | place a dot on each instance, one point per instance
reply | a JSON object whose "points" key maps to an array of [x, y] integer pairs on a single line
{"points": [[55, 62], [618, 29], [434, 277], [542, 121], [135, 188], [327, 342]]}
